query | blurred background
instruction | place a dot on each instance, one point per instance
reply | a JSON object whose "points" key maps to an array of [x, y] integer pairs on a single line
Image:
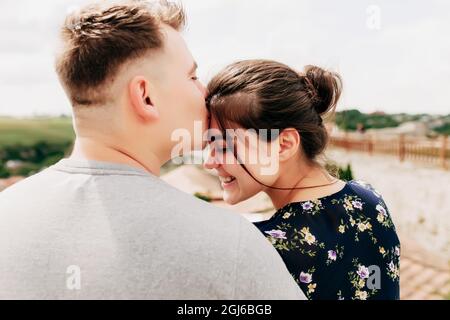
{"points": [[392, 122]]}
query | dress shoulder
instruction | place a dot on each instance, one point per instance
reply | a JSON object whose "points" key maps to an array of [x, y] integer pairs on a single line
{"points": [[367, 192], [364, 187]]}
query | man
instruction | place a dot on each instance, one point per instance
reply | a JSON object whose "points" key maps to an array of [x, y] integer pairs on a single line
{"points": [[100, 224]]}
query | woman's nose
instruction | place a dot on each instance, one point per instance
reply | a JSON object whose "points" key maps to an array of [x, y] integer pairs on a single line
{"points": [[210, 161]]}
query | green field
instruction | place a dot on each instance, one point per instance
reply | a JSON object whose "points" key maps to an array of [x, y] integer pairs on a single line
{"points": [[30, 131], [36, 143]]}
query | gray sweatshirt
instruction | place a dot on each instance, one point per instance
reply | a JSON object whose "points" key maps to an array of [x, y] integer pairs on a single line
{"points": [[96, 230]]}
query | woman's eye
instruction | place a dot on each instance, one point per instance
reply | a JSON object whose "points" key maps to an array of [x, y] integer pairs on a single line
{"points": [[195, 78]]}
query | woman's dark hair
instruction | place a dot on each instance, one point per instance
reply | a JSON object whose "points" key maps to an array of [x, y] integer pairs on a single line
{"points": [[265, 94]]}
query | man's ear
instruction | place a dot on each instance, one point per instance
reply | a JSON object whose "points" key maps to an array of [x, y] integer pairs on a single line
{"points": [[141, 99], [289, 141]]}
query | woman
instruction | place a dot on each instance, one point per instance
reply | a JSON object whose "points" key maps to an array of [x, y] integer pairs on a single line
{"points": [[336, 238]]}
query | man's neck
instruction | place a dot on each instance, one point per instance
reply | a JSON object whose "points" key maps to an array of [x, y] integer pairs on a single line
{"points": [[91, 149]]}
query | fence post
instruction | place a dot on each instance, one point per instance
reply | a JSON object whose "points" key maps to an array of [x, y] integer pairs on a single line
{"points": [[370, 144], [443, 152], [347, 142], [401, 147]]}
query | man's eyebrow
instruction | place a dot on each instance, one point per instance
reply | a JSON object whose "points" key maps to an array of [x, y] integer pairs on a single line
{"points": [[193, 68]]}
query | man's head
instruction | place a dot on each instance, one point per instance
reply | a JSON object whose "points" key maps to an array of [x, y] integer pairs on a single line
{"points": [[129, 74]]}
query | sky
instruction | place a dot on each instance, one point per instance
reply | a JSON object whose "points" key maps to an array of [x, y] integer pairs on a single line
{"points": [[393, 56]]}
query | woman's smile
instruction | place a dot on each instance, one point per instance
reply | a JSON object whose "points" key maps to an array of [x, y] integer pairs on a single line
{"points": [[227, 181]]}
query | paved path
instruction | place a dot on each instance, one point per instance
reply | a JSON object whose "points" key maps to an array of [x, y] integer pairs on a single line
{"points": [[423, 276]]}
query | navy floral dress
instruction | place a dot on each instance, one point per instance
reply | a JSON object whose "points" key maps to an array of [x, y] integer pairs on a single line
{"points": [[342, 246]]}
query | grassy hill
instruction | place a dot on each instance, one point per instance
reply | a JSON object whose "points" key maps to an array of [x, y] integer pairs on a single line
{"points": [[27, 132], [36, 143]]}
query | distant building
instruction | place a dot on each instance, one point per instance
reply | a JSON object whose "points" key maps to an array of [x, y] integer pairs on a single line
{"points": [[436, 123], [378, 113], [14, 164], [412, 128], [360, 128]]}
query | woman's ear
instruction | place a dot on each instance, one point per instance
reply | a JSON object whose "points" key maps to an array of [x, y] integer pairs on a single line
{"points": [[141, 100], [289, 141]]}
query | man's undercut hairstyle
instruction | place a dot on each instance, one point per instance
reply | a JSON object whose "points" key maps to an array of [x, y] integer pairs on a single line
{"points": [[99, 38]]}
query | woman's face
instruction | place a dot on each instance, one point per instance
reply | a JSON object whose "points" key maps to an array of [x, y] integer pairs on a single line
{"points": [[256, 155]]}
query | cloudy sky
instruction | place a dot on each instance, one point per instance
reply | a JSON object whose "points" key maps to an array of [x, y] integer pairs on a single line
{"points": [[394, 56]]}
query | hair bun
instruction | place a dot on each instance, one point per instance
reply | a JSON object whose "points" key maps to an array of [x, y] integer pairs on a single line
{"points": [[326, 87]]}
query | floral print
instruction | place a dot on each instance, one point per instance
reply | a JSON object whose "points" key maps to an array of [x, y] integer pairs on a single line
{"points": [[333, 255], [305, 277], [277, 234], [343, 246]]}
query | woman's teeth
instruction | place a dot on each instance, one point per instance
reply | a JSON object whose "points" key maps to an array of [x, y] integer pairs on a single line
{"points": [[227, 179]]}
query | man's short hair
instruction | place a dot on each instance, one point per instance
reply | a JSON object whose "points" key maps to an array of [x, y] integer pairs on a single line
{"points": [[99, 38]]}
